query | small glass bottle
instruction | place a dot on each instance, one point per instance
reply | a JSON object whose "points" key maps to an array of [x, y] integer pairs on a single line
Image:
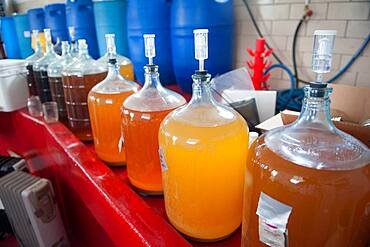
{"points": [[31, 60], [55, 70], [203, 148], [40, 69], [307, 184], [125, 65], [78, 78], [105, 101], [143, 112]]}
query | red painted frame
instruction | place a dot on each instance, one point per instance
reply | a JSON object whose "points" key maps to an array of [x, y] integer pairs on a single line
{"points": [[99, 207]]}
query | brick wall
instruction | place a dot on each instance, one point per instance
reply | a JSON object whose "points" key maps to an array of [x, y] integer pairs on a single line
{"points": [[278, 19]]}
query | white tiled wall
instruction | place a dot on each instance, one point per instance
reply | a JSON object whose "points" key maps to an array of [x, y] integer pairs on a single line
{"points": [[277, 20]]}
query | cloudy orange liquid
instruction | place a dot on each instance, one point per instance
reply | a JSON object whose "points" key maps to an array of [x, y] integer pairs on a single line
{"points": [[204, 181], [127, 71], [142, 158], [330, 207], [105, 118]]}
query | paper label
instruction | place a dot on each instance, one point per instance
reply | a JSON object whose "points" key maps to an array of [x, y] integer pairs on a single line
{"points": [[272, 221], [162, 160]]}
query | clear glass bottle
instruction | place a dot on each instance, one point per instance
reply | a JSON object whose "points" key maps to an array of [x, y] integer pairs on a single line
{"points": [[308, 183], [40, 68], [203, 147], [31, 60], [78, 78], [143, 112], [125, 65], [105, 101], [55, 70]]}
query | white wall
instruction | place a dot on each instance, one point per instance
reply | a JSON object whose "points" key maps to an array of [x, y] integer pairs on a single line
{"points": [[278, 18]]}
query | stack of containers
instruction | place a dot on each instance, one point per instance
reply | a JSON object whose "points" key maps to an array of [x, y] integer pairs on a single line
{"points": [[55, 20], [110, 19], [79, 14], [9, 36], [150, 17], [218, 18], [23, 35]]}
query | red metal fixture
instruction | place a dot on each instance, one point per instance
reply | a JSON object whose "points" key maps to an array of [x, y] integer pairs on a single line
{"points": [[98, 206], [260, 64]]}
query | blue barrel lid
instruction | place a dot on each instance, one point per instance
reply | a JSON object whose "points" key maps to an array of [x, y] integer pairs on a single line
{"points": [[36, 18], [199, 17], [79, 2], [55, 6]]}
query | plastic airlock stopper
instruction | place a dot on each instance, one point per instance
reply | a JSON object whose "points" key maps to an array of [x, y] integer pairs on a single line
{"points": [[47, 34], [72, 33], [201, 46], [149, 47], [322, 52], [82, 44]]}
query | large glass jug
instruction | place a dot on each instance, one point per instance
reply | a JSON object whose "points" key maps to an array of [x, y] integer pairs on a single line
{"points": [[40, 68], [125, 65], [55, 70], [31, 60], [105, 101], [203, 148], [308, 183], [79, 77], [143, 112]]}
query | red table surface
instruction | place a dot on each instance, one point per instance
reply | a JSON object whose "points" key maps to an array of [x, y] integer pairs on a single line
{"points": [[98, 206]]}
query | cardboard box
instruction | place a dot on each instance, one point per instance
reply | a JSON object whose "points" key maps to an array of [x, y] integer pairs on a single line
{"points": [[351, 104]]}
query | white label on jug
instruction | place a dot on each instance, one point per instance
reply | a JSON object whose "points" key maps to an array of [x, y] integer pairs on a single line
{"points": [[162, 160], [272, 221]]}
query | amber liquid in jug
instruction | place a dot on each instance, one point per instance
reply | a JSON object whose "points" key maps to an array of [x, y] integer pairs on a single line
{"points": [[308, 183], [105, 101], [40, 68], [31, 60], [55, 71], [79, 78], [142, 113], [126, 67]]}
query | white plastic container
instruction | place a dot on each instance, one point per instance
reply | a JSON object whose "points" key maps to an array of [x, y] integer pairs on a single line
{"points": [[13, 85]]}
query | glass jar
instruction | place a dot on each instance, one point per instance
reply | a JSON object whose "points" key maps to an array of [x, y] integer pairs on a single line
{"points": [[40, 68], [105, 101], [55, 70], [203, 147], [125, 65], [31, 60], [143, 112], [78, 78], [307, 184]]}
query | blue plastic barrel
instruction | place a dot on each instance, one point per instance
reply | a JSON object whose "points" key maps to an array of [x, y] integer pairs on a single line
{"points": [[110, 17], [22, 29], [36, 19], [187, 15], [80, 15], [55, 19], [9, 36], [150, 17]]}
